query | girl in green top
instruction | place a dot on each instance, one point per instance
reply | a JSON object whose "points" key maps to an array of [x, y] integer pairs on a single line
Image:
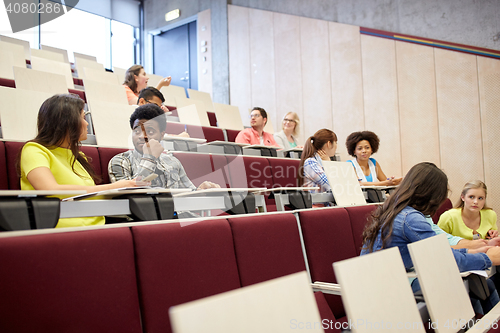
{"points": [[53, 160], [472, 218]]}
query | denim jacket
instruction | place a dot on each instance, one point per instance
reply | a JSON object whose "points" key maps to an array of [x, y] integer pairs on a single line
{"points": [[410, 226]]}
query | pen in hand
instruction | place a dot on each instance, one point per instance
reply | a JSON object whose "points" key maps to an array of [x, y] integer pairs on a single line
{"points": [[145, 136]]}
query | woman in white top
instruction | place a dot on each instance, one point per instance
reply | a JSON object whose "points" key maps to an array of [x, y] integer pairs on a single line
{"points": [[362, 145], [287, 138]]}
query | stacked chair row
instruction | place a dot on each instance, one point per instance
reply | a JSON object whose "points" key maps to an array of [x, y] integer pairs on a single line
{"points": [[125, 278]]}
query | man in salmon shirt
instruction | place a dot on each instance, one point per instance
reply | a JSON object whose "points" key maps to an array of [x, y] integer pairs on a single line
{"points": [[256, 134]]}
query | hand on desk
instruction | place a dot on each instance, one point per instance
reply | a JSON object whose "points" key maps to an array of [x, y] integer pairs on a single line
{"points": [[483, 249], [494, 241], [206, 185], [393, 181]]}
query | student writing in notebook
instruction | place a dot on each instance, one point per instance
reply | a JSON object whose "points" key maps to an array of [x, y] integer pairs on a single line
{"points": [[53, 161]]}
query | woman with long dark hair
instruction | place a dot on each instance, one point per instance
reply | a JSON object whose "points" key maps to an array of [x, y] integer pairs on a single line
{"points": [[136, 79], [53, 160], [319, 147], [402, 220]]}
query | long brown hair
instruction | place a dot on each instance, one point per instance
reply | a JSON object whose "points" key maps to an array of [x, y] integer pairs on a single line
{"points": [[473, 184], [59, 118], [130, 77], [424, 188], [312, 145]]}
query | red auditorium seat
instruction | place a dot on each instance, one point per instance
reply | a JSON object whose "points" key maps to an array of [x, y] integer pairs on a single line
{"points": [[173, 109], [212, 118], [284, 171], [182, 262], [327, 238], [204, 132], [93, 157], [219, 165], [80, 93], [198, 168], [105, 155], [266, 247], [358, 215], [4, 179], [12, 149], [231, 135], [7, 83], [175, 128], [250, 171], [444, 207], [82, 281]]}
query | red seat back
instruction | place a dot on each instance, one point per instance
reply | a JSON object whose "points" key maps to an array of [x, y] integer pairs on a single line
{"points": [[359, 216], [175, 128], [266, 247], [203, 132], [446, 205], [249, 171], [105, 155], [82, 281], [178, 263], [4, 177], [212, 118], [12, 150], [284, 171], [327, 238], [93, 157], [231, 135]]}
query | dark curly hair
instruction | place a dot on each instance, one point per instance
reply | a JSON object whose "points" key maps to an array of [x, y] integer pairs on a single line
{"points": [[354, 138], [148, 112]]}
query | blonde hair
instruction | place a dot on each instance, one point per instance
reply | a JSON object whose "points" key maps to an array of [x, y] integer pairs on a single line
{"points": [[297, 122], [473, 184]]}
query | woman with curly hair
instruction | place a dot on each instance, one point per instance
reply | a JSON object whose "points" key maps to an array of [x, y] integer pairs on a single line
{"points": [[362, 145]]}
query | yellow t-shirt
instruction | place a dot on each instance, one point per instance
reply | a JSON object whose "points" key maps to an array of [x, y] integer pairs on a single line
{"points": [[58, 160], [451, 222]]}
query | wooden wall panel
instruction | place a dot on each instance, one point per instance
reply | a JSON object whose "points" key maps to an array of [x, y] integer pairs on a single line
{"points": [[489, 96], [381, 100], [239, 60], [417, 105], [262, 62], [459, 118], [316, 84], [347, 82], [288, 70]]}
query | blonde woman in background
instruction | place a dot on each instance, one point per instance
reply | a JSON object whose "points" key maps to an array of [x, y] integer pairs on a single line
{"points": [[471, 218], [287, 138]]}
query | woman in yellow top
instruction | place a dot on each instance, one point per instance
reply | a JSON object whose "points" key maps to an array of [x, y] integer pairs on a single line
{"points": [[472, 218], [53, 161]]}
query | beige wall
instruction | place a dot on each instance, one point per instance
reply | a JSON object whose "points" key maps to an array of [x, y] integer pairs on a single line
{"points": [[425, 104]]}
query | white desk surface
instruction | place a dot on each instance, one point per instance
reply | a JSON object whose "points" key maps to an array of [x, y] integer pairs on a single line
{"points": [[182, 138], [378, 187], [261, 146], [215, 191], [126, 190], [215, 143], [279, 189], [34, 193]]}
